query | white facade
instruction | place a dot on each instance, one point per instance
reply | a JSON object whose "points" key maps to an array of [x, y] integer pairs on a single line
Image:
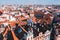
{"points": [[47, 35], [29, 36]]}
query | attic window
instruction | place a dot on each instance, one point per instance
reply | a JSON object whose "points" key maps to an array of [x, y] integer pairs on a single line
{"points": [[19, 30]]}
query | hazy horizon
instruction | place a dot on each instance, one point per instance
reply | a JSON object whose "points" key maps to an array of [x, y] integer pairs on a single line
{"points": [[24, 2]]}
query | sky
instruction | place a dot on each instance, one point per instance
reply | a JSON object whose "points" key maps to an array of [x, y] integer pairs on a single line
{"points": [[43, 2]]}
